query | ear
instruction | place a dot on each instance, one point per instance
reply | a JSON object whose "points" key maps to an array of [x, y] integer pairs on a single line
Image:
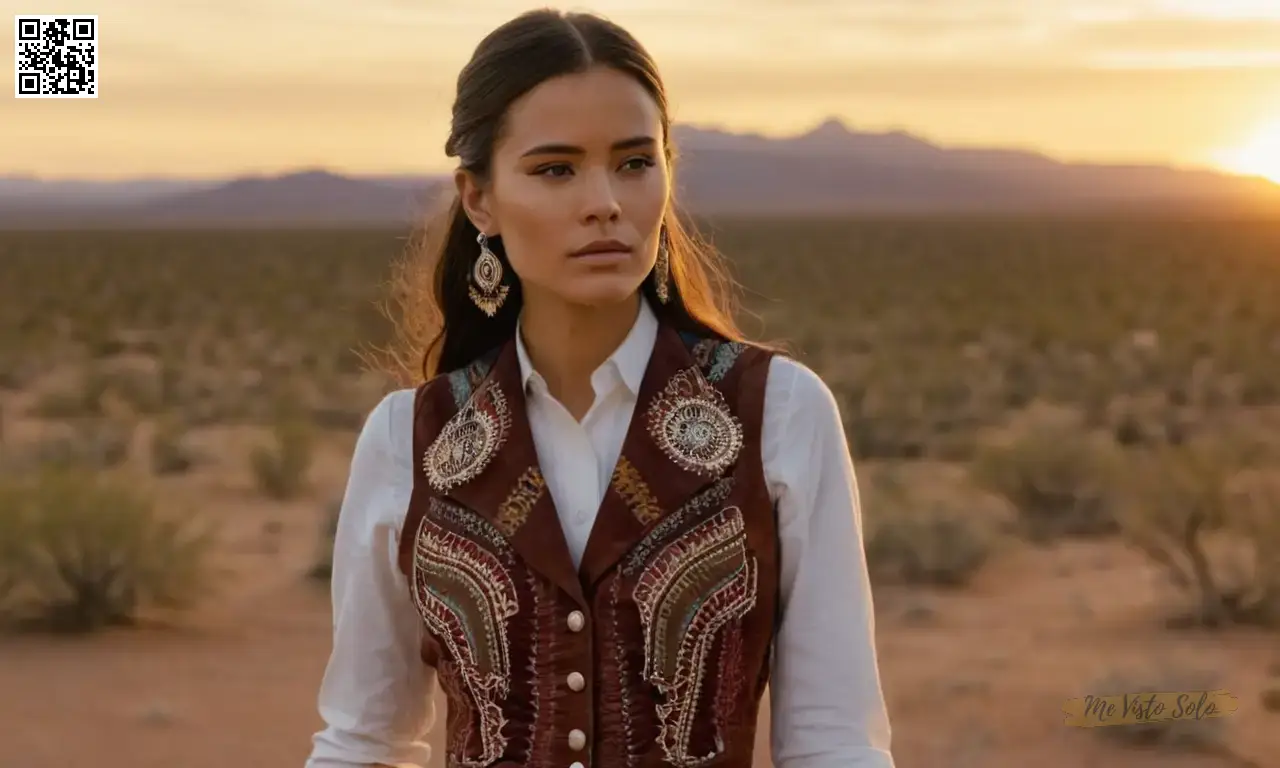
{"points": [[475, 201]]}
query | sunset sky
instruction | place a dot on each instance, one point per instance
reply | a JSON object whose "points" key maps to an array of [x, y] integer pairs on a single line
{"points": [[223, 87]]}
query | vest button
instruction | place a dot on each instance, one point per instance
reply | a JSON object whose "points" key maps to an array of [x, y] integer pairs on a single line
{"points": [[577, 740], [577, 765], [577, 621], [576, 681]]}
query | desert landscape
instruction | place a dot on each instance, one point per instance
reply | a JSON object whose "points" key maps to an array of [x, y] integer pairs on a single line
{"points": [[1066, 429]]}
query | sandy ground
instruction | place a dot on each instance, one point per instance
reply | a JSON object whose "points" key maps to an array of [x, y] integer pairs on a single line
{"points": [[973, 678]]}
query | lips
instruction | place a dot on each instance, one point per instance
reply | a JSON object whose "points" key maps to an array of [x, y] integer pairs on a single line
{"points": [[603, 246]]}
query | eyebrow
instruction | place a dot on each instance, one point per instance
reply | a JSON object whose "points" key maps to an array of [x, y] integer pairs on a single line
{"points": [[569, 149]]}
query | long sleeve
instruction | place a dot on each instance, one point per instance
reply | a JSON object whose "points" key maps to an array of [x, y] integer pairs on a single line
{"points": [[828, 708], [376, 695]]}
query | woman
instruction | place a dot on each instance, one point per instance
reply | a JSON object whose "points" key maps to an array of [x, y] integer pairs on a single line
{"points": [[604, 521]]}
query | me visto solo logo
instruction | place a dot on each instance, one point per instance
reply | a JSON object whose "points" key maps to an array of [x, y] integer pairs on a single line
{"points": [[1138, 708]]}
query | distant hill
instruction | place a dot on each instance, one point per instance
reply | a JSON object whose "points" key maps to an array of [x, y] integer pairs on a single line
{"points": [[828, 170]]}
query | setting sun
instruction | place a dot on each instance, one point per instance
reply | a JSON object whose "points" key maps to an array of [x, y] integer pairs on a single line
{"points": [[1259, 156]]}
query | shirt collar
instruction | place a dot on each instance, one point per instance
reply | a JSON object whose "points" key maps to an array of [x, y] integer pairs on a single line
{"points": [[627, 363]]}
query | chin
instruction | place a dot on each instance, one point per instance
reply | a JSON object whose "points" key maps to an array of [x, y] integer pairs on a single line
{"points": [[600, 292]]}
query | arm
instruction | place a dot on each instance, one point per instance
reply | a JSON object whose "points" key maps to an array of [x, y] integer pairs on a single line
{"points": [[828, 708], [376, 695]]}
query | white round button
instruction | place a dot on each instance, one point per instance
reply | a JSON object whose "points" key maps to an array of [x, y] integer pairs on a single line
{"points": [[577, 740], [576, 681], [577, 765], [577, 621]]}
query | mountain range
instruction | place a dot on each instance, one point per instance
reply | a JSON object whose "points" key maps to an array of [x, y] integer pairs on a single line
{"points": [[829, 170]]}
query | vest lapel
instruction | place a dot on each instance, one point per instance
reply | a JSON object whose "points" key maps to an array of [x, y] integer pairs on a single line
{"points": [[485, 459], [681, 439]]}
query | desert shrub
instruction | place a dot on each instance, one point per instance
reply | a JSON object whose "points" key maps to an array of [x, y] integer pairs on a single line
{"points": [[910, 538], [281, 468], [80, 400], [86, 443], [1058, 475], [1186, 734], [1214, 530], [11, 537], [86, 550], [99, 386], [169, 454], [1253, 518]]}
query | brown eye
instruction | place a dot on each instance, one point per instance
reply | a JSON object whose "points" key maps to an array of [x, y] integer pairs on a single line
{"points": [[549, 170], [644, 162]]}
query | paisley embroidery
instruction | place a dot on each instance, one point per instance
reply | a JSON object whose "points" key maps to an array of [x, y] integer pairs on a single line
{"points": [[725, 356], [691, 422], [466, 597], [701, 349], [469, 440], [694, 586], [714, 357], [463, 381]]}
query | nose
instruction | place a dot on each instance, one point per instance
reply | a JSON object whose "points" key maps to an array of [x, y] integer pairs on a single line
{"points": [[599, 201]]}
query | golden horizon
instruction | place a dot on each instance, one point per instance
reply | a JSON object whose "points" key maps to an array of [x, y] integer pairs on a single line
{"points": [[195, 93]]}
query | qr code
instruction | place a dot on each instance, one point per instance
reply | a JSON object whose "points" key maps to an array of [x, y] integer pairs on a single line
{"points": [[57, 57]]}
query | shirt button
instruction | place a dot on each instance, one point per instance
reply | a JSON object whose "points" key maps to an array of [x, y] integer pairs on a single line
{"points": [[577, 765], [576, 681], [577, 621], [577, 740]]}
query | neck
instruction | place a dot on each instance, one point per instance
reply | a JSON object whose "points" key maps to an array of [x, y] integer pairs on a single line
{"points": [[567, 343]]}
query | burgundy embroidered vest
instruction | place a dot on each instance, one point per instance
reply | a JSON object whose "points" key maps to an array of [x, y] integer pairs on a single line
{"points": [[656, 650]]}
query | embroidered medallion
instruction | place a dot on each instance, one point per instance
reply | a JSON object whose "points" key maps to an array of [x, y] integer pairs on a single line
{"points": [[691, 422], [468, 441]]}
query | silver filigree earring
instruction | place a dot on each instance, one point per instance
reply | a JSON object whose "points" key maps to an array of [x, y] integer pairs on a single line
{"points": [[486, 289], [662, 269]]}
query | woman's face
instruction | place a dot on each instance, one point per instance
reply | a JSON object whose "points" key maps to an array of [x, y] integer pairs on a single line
{"points": [[580, 161]]}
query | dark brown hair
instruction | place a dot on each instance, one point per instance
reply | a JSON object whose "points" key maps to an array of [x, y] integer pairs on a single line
{"points": [[437, 327]]}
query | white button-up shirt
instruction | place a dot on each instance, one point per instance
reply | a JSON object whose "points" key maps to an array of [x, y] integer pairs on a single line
{"points": [[827, 706]]}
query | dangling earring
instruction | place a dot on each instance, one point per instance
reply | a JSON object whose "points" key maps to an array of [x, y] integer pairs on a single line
{"points": [[662, 269], [486, 289]]}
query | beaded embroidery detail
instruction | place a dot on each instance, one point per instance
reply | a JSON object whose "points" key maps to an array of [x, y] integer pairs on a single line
{"points": [[674, 523], [692, 588], [468, 441], [635, 492], [520, 502], [463, 381], [724, 358], [466, 596], [691, 422], [716, 358]]}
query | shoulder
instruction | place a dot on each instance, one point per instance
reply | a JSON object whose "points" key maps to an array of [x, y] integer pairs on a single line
{"points": [[794, 390], [803, 437], [388, 430]]}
